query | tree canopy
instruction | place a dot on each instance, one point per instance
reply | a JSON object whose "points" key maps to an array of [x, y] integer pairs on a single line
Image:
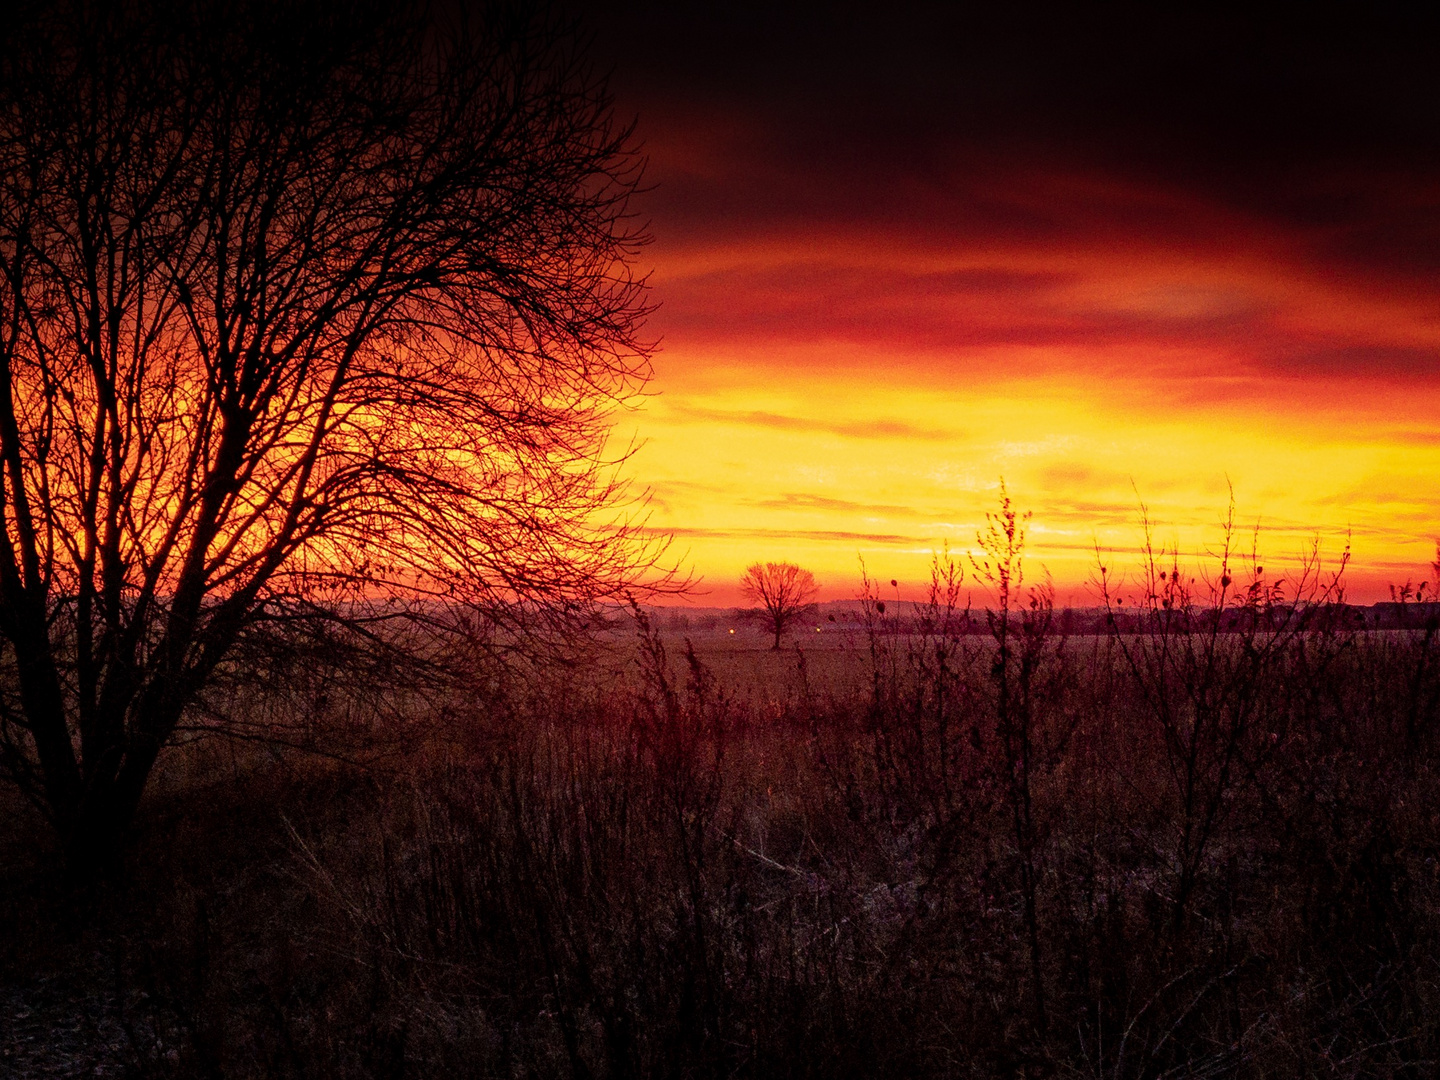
{"points": [[307, 311], [783, 590]]}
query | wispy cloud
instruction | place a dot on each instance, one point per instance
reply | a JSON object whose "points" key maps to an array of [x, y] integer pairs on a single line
{"points": [[879, 428], [806, 501], [827, 535]]}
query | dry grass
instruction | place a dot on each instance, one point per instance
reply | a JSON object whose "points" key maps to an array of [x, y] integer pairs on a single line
{"points": [[731, 863]]}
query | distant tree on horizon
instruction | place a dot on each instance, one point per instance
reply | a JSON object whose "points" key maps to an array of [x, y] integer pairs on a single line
{"points": [[783, 590]]}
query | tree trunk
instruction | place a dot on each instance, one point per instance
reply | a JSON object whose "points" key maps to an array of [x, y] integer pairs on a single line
{"points": [[93, 841]]}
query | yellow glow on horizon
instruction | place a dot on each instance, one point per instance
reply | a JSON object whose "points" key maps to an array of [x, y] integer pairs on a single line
{"points": [[826, 471]]}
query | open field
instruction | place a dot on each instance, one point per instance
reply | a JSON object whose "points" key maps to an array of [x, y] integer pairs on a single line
{"points": [[835, 662], [888, 855]]}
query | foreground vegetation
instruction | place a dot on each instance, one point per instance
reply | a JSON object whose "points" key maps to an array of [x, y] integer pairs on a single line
{"points": [[1186, 849]]}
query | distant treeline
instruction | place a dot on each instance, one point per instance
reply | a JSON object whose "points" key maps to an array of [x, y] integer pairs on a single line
{"points": [[909, 617]]}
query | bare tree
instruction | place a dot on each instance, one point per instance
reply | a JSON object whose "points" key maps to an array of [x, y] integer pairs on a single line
{"points": [[311, 311], [783, 591]]}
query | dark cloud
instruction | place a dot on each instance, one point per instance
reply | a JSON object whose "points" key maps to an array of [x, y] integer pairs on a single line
{"points": [[1139, 79], [1321, 118], [1403, 363], [894, 308]]}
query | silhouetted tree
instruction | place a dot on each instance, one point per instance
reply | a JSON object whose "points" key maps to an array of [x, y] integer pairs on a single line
{"points": [[783, 591], [309, 312]]}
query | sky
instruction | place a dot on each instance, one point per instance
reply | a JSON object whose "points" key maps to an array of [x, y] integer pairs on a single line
{"points": [[1118, 259]]}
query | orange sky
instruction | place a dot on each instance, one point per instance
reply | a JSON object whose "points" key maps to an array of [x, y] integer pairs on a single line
{"points": [[853, 357]]}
